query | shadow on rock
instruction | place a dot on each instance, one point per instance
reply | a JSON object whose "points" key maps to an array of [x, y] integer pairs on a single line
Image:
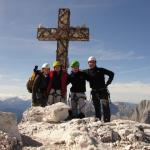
{"points": [[28, 141]]}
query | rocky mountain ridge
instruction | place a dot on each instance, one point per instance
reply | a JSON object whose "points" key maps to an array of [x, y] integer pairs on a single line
{"points": [[17, 105], [142, 112], [45, 129]]}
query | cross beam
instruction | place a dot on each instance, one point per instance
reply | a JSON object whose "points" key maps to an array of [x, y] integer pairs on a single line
{"points": [[63, 34]]}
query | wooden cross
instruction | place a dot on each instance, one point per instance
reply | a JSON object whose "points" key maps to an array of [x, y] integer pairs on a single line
{"points": [[63, 34]]}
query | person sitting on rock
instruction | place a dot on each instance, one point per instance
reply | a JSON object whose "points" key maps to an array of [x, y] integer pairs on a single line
{"points": [[77, 79], [57, 87], [39, 96]]}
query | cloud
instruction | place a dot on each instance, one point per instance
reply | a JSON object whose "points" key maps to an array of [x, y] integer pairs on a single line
{"points": [[131, 92], [126, 92], [109, 54], [1, 76], [14, 91], [31, 42], [9, 80], [94, 3], [16, 79], [97, 48], [25, 49], [113, 54], [140, 69]]}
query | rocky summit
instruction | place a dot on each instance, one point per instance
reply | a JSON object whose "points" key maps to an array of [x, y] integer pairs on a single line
{"points": [[46, 129], [142, 112], [49, 133], [10, 138]]}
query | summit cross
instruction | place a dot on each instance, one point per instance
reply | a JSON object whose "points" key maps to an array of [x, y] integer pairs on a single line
{"points": [[63, 34]]}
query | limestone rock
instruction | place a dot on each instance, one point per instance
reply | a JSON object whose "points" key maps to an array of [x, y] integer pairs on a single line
{"points": [[10, 138], [8, 124], [142, 112], [53, 113], [8, 142], [86, 134]]}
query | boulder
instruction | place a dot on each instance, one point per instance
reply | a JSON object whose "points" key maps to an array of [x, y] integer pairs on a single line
{"points": [[53, 113], [10, 137], [8, 124], [142, 112], [8, 142], [87, 134]]}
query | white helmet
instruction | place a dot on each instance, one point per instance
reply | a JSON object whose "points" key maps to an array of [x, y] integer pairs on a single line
{"points": [[45, 65], [91, 58]]}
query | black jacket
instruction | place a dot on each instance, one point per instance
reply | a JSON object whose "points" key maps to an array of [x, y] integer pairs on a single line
{"points": [[78, 81], [96, 77], [40, 86], [56, 82]]}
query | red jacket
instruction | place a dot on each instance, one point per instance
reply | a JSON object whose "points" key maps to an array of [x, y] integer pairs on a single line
{"points": [[63, 82]]}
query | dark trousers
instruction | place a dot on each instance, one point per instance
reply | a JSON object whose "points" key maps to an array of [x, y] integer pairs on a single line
{"points": [[40, 100], [101, 104]]}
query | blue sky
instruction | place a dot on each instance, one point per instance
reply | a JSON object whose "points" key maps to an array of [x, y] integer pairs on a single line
{"points": [[119, 39]]}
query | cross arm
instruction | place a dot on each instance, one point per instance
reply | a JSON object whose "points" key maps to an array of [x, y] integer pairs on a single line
{"points": [[79, 34], [70, 34], [46, 34]]}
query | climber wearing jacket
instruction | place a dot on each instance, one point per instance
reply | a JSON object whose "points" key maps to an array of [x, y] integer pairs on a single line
{"points": [[77, 79], [57, 87], [98, 84], [39, 97]]}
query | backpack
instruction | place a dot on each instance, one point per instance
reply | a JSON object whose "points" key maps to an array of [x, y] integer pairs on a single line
{"points": [[30, 81]]}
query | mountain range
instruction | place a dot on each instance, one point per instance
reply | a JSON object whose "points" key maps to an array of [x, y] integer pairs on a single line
{"points": [[17, 105], [142, 112]]}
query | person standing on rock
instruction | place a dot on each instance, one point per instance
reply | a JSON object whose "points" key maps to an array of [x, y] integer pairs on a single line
{"points": [[100, 93], [39, 96], [57, 87], [77, 79]]}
